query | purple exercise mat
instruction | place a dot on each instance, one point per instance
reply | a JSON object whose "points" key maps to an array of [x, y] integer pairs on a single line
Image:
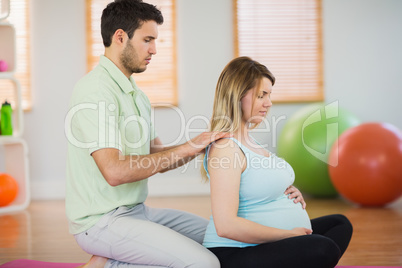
{"points": [[22, 263]]}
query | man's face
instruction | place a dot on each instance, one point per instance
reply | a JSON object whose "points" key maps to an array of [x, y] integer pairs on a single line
{"points": [[138, 51]]}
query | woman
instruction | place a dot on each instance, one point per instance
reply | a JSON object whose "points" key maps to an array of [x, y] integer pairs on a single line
{"points": [[255, 222]]}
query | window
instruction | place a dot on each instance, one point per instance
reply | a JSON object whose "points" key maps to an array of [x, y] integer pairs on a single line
{"points": [[159, 81], [19, 18], [284, 35]]}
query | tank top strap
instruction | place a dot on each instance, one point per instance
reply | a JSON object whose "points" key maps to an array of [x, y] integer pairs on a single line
{"points": [[243, 148], [256, 141], [205, 162]]}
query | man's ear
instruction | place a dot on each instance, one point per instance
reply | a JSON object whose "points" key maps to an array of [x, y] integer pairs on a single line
{"points": [[119, 37]]}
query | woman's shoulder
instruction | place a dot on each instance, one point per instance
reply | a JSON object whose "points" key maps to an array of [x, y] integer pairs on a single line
{"points": [[224, 146], [225, 142]]}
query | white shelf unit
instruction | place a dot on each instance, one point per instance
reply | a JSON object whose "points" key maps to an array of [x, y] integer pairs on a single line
{"points": [[14, 161], [13, 149], [8, 48], [4, 9]]}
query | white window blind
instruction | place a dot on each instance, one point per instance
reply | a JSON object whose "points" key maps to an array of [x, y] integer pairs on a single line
{"points": [[19, 18], [284, 35], [159, 81]]}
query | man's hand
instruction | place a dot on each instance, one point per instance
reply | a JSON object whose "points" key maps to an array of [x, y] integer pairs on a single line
{"points": [[197, 145], [293, 192]]}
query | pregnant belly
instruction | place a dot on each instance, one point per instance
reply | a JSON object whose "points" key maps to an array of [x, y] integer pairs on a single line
{"points": [[282, 213]]}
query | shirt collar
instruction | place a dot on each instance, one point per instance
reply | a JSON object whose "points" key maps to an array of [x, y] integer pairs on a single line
{"points": [[127, 85]]}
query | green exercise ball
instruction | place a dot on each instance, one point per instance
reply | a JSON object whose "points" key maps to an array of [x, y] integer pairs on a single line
{"points": [[305, 143]]}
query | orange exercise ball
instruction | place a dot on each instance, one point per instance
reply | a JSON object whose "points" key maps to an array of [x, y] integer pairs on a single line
{"points": [[369, 169], [8, 189]]}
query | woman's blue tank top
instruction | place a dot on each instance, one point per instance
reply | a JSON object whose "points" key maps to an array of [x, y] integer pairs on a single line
{"points": [[261, 197]]}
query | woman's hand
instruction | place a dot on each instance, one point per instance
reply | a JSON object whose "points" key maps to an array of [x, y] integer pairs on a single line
{"points": [[301, 231], [293, 192]]}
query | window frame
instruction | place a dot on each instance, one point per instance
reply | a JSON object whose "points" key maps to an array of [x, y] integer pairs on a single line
{"points": [[277, 96], [156, 95]]}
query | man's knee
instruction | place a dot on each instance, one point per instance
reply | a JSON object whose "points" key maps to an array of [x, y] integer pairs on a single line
{"points": [[207, 259]]}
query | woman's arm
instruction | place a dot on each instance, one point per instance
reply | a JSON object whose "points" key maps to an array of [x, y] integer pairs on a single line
{"points": [[226, 162]]}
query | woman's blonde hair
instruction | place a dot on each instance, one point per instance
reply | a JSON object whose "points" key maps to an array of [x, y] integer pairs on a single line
{"points": [[237, 78]]}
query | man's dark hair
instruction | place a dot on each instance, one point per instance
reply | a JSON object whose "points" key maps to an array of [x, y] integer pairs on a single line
{"points": [[128, 15]]}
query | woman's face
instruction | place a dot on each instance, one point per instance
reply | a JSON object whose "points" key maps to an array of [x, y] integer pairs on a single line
{"points": [[256, 114]]}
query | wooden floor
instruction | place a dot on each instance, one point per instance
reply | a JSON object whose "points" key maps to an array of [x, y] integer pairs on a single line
{"points": [[41, 232]]}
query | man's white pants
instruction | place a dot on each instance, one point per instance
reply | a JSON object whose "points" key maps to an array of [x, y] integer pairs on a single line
{"points": [[149, 237]]}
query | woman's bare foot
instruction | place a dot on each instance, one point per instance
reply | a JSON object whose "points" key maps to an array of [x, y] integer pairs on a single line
{"points": [[95, 262]]}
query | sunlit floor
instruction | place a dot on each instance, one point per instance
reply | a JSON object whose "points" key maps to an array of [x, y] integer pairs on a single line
{"points": [[41, 232]]}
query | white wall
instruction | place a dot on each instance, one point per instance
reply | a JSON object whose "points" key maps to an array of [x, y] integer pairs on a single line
{"points": [[363, 59], [58, 61], [362, 40]]}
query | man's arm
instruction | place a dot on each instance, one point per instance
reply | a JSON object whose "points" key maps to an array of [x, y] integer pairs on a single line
{"points": [[157, 146], [118, 169]]}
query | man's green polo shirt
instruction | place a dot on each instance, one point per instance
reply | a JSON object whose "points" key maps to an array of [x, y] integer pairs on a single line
{"points": [[107, 110]]}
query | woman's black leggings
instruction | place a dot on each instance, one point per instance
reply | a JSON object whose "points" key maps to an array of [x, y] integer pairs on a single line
{"points": [[322, 249]]}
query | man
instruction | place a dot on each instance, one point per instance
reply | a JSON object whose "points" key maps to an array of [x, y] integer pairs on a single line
{"points": [[110, 138]]}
